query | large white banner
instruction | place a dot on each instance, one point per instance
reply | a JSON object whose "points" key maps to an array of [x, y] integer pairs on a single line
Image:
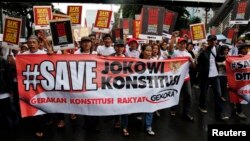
{"points": [[93, 85]]}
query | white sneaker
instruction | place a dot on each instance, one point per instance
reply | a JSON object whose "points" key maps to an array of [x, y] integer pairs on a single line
{"points": [[241, 115], [203, 110], [196, 86], [139, 118], [150, 131], [157, 113]]}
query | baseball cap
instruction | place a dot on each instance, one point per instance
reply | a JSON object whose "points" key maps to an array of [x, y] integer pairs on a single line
{"points": [[132, 40], [182, 40], [211, 37], [106, 35], [85, 38], [119, 42], [243, 45]]}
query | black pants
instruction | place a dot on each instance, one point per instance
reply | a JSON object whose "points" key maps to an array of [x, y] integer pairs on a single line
{"points": [[223, 84], [7, 113], [204, 84], [92, 122], [16, 100]]}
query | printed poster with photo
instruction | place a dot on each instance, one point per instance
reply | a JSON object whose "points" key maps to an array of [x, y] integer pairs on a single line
{"points": [[230, 34], [61, 32], [152, 22], [127, 25], [42, 15], [75, 13], [102, 21], [240, 13], [12, 33], [198, 32], [169, 23], [117, 34]]}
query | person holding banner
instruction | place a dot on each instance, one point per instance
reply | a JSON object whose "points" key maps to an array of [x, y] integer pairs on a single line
{"points": [[86, 46], [186, 87], [33, 44], [164, 47], [119, 49], [119, 52], [92, 122], [146, 53], [242, 51], [156, 54], [208, 74], [224, 49], [94, 41], [132, 50], [107, 49]]}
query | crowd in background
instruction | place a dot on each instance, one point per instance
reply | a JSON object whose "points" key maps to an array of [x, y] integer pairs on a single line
{"points": [[207, 69]]}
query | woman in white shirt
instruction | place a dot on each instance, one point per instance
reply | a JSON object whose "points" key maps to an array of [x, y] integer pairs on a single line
{"points": [[85, 46]]}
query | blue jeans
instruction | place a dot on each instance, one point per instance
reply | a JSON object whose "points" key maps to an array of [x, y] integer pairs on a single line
{"points": [[148, 120], [124, 121], [8, 115]]}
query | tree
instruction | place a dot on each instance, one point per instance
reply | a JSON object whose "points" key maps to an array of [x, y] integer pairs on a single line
{"points": [[16, 9], [182, 19], [129, 11], [195, 20]]}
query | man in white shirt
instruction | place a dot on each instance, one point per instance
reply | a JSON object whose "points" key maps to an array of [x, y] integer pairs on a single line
{"points": [[208, 75], [106, 49], [33, 44], [33, 48], [186, 90]]}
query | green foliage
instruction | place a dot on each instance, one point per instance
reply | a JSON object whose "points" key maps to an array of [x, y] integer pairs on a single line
{"points": [[182, 19], [195, 20], [129, 11]]}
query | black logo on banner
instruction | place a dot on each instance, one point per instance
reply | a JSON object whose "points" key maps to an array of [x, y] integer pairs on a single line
{"points": [[162, 96]]}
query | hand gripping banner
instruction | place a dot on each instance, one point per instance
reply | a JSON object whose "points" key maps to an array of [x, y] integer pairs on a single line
{"points": [[238, 75], [93, 85]]}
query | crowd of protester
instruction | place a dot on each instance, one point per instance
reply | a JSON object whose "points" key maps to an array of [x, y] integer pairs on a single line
{"points": [[207, 68]]}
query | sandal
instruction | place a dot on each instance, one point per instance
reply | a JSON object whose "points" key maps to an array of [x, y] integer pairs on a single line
{"points": [[172, 113], [73, 116], [39, 134], [125, 132], [60, 124], [117, 125]]}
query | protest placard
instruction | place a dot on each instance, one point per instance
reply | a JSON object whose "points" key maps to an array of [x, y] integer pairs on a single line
{"points": [[42, 15], [12, 33], [61, 33]]}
